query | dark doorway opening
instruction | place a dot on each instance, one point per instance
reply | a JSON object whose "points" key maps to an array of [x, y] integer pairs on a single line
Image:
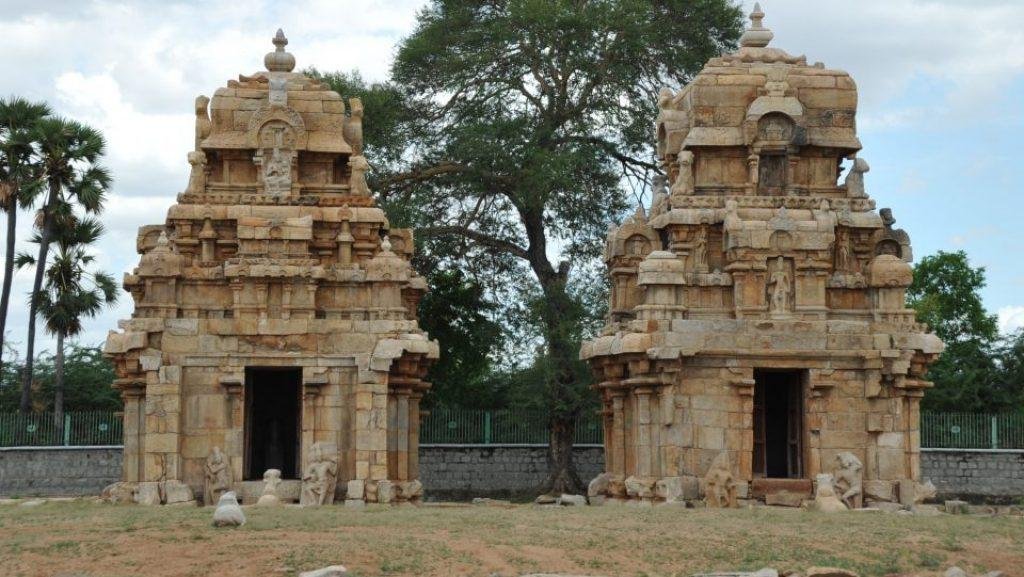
{"points": [[272, 421], [778, 424]]}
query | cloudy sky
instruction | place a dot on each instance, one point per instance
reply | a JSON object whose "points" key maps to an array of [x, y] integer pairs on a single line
{"points": [[940, 82]]}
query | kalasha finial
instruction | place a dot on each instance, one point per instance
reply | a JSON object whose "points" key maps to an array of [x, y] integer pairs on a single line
{"points": [[279, 60], [757, 36]]}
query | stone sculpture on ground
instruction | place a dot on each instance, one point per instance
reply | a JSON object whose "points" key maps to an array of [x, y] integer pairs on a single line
{"points": [[320, 478], [217, 477], [825, 499], [275, 307], [849, 479], [228, 513], [269, 498], [719, 485], [758, 309]]}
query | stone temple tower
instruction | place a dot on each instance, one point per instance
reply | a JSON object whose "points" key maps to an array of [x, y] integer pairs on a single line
{"points": [[275, 309], [757, 317]]}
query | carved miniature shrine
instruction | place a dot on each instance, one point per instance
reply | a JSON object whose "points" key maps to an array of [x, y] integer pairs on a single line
{"points": [[758, 336], [275, 311]]}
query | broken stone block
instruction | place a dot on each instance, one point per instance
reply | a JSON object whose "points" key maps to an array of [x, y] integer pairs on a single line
{"points": [[784, 499], [148, 493], [119, 492], [572, 500], [177, 492], [599, 485], [955, 507], [878, 490]]}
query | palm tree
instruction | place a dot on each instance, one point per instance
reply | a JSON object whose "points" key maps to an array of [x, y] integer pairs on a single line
{"points": [[68, 296], [19, 180], [68, 155]]}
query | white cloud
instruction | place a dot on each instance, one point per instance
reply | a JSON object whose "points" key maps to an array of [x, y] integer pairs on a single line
{"points": [[1011, 319]]}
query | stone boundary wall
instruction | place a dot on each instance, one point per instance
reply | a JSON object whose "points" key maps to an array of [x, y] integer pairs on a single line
{"points": [[992, 476], [58, 471], [460, 472]]}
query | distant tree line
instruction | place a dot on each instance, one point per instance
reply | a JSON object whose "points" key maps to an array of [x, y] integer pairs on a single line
{"points": [[981, 370]]}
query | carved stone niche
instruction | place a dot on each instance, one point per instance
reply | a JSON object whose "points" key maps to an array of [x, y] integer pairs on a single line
{"points": [[276, 157]]}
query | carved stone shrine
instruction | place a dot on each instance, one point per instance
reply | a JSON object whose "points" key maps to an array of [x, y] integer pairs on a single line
{"points": [[275, 309], [757, 310]]}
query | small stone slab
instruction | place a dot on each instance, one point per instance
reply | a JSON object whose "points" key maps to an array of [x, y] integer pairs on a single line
{"points": [[760, 573], [955, 507], [828, 572], [332, 571]]}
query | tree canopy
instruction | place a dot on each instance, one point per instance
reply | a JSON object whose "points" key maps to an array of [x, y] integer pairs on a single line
{"points": [[529, 123], [971, 374]]}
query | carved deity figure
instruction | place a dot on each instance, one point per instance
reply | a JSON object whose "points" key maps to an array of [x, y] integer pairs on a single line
{"points": [[659, 198], [218, 476], [684, 180], [197, 178], [276, 157], [277, 175], [779, 281], [849, 478], [203, 123], [719, 485], [844, 255], [854, 182], [320, 478], [700, 249], [271, 479], [357, 181]]}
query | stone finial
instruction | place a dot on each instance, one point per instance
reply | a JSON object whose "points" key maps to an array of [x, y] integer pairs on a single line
{"points": [[757, 36], [279, 60]]}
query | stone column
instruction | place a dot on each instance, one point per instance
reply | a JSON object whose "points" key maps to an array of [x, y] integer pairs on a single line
{"points": [[401, 434], [134, 395], [414, 436], [233, 383], [617, 457], [371, 433], [643, 425]]}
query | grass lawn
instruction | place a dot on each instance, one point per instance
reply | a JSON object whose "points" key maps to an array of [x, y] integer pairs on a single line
{"points": [[99, 540]]}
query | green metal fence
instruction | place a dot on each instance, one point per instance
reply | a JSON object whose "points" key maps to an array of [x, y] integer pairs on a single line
{"points": [[460, 426], [972, 430], [41, 430]]}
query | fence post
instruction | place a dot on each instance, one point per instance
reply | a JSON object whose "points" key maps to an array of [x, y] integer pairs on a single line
{"points": [[67, 429], [487, 427], [995, 432]]}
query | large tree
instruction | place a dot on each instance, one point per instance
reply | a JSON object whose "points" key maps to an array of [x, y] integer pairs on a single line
{"points": [[72, 292], [19, 181], [946, 295], [69, 155], [530, 117]]}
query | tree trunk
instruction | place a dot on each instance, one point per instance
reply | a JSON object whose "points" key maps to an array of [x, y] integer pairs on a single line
{"points": [[562, 476], [5, 295], [33, 307], [58, 393], [560, 324]]}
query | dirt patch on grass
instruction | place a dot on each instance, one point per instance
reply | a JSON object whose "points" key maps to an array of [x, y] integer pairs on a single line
{"points": [[130, 541]]}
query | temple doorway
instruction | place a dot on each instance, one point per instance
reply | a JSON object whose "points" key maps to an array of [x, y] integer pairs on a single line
{"points": [[272, 421], [778, 424]]}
